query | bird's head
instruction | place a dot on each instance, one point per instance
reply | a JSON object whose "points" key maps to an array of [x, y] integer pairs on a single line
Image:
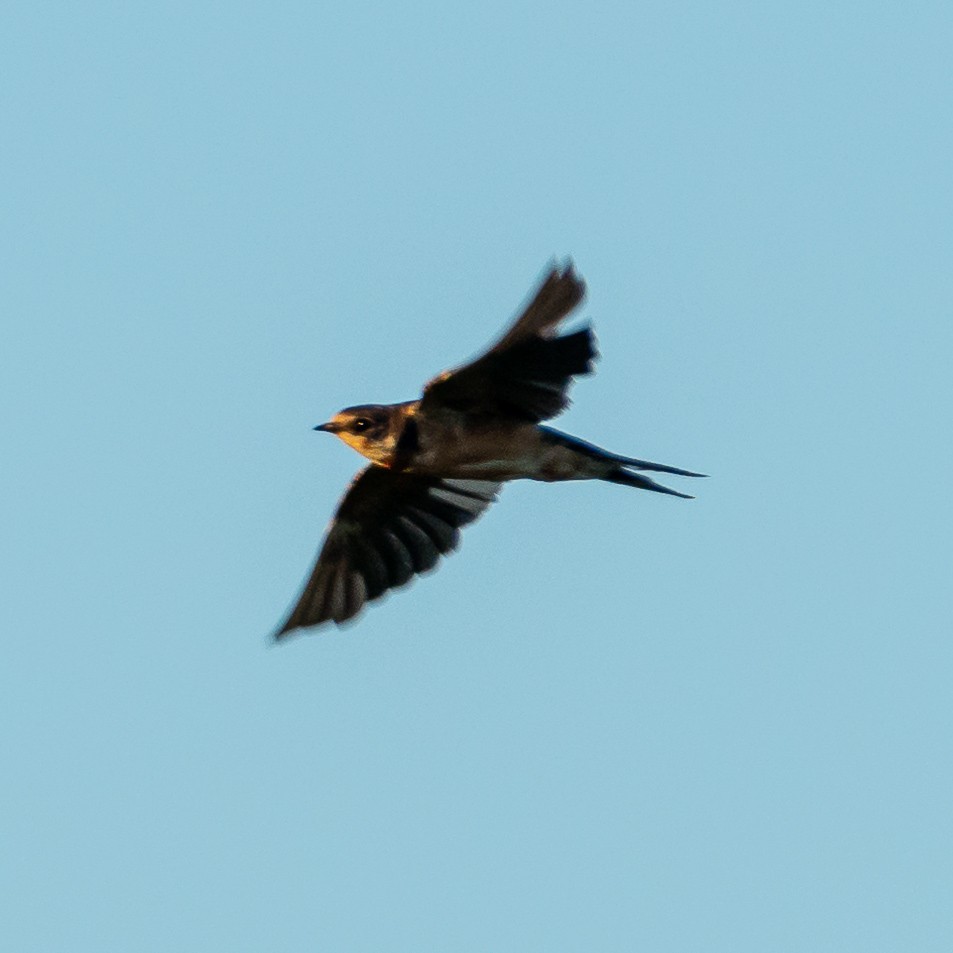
{"points": [[371, 429]]}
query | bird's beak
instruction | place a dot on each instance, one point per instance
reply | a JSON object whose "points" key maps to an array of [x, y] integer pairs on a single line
{"points": [[327, 428]]}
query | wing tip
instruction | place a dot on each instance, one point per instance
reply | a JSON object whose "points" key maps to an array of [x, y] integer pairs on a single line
{"points": [[564, 277], [285, 632]]}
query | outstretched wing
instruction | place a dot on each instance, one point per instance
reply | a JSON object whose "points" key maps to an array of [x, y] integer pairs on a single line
{"points": [[526, 374], [389, 527]]}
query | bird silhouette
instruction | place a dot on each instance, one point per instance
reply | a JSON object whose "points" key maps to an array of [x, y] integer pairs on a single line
{"points": [[438, 462]]}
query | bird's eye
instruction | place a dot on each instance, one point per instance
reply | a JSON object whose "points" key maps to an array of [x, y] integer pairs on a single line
{"points": [[361, 424]]}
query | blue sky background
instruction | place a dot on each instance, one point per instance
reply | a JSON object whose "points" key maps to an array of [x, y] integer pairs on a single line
{"points": [[614, 721]]}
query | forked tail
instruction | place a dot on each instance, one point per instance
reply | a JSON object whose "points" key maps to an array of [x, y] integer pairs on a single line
{"points": [[620, 468], [627, 478]]}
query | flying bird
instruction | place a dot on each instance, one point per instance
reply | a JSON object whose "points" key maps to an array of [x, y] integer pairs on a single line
{"points": [[438, 462]]}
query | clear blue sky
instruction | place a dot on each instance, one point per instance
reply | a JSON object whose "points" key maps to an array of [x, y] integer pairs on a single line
{"points": [[614, 721]]}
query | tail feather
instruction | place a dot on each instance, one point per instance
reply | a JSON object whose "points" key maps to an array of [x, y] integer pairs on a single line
{"points": [[642, 482], [597, 453], [654, 467]]}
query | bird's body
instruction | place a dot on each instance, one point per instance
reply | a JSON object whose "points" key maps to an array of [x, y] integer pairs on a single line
{"points": [[457, 447], [450, 445], [438, 462]]}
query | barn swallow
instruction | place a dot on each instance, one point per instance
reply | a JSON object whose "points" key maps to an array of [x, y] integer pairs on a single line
{"points": [[438, 462]]}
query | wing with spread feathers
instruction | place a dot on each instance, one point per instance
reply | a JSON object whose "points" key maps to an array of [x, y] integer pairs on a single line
{"points": [[389, 527], [526, 374]]}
